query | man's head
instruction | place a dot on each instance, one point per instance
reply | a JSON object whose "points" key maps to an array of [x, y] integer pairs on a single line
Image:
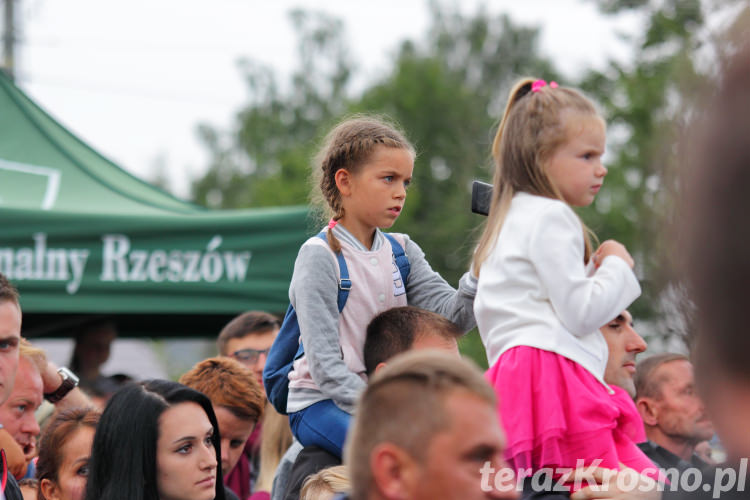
{"points": [[17, 414], [401, 329], [714, 219], [624, 344], [669, 404], [237, 399], [10, 336], [425, 428], [92, 347], [248, 337]]}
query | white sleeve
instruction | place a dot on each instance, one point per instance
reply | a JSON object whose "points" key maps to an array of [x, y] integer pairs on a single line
{"points": [[583, 304]]}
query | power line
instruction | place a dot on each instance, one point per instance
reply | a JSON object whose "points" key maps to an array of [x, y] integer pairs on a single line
{"points": [[159, 95], [9, 39], [119, 45]]}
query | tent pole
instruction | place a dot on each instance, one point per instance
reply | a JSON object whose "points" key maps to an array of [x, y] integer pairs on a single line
{"points": [[9, 38]]}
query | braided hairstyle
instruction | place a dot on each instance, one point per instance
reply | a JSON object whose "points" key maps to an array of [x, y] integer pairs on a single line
{"points": [[530, 132], [349, 145]]}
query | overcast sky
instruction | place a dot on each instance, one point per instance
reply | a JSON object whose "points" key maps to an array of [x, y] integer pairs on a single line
{"points": [[133, 78]]}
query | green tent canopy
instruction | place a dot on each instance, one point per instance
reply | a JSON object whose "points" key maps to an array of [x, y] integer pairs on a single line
{"points": [[81, 239]]}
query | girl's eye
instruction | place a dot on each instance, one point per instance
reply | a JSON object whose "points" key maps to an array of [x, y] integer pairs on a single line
{"points": [[388, 178], [208, 441], [83, 471], [407, 183], [587, 156], [236, 443], [184, 449]]}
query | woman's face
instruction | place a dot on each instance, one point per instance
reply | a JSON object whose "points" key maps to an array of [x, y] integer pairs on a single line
{"points": [[185, 456], [74, 468]]}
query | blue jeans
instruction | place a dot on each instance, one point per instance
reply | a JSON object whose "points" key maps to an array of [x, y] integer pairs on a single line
{"points": [[322, 424]]}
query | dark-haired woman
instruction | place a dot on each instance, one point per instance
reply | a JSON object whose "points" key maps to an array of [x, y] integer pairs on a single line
{"points": [[156, 441]]}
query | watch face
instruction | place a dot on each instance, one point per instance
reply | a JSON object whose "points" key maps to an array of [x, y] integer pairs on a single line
{"points": [[66, 374]]}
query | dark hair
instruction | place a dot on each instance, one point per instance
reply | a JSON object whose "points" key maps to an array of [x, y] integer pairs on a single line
{"points": [[84, 333], [348, 146], [123, 457], [8, 292], [715, 220], [395, 330], [646, 384], [55, 436], [245, 324], [30, 482]]}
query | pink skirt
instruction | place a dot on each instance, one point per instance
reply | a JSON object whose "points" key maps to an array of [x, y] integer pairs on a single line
{"points": [[556, 414]]}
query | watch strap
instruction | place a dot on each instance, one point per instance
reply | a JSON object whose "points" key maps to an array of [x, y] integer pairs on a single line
{"points": [[68, 384]]}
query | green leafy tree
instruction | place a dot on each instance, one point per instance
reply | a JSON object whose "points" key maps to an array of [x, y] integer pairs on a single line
{"points": [[265, 160], [447, 91], [649, 102]]}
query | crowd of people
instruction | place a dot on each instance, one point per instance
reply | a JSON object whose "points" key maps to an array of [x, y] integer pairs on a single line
{"points": [[379, 403]]}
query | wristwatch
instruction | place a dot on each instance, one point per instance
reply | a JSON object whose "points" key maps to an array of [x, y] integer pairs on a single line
{"points": [[69, 381]]}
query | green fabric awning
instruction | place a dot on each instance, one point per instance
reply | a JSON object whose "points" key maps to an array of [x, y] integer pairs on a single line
{"points": [[82, 237]]}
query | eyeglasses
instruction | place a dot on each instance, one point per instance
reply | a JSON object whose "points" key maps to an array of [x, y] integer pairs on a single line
{"points": [[249, 356]]}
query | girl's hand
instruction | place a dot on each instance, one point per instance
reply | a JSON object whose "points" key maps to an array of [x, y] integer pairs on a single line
{"points": [[612, 247], [600, 483]]}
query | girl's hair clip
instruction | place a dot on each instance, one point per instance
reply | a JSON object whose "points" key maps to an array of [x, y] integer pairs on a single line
{"points": [[537, 85], [332, 223]]}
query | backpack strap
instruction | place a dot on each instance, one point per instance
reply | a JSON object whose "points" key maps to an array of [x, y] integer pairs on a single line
{"points": [[402, 261], [287, 347], [345, 284]]}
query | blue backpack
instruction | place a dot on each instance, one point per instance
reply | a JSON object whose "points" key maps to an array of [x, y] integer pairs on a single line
{"points": [[287, 348]]}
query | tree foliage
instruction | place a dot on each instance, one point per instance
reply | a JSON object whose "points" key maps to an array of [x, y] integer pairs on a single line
{"points": [[264, 160], [447, 90], [649, 103]]}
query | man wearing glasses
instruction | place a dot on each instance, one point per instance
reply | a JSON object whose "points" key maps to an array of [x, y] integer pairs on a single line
{"points": [[248, 338]]}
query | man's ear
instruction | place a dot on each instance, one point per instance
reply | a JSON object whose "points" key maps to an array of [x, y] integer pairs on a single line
{"points": [[648, 410], [394, 472], [49, 489], [343, 180], [380, 366]]}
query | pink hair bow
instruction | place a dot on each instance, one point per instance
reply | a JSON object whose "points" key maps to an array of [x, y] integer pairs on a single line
{"points": [[537, 85]]}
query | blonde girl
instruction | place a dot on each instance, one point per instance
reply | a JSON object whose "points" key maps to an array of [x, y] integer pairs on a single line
{"points": [[363, 170], [543, 294]]}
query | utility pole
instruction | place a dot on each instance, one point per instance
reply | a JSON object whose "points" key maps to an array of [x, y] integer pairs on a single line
{"points": [[9, 38]]}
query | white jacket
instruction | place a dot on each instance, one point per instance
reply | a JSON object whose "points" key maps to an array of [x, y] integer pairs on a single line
{"points": [[534, 289]]}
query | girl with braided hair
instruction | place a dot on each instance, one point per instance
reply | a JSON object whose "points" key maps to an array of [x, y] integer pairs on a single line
{"points": [[362, 171]]}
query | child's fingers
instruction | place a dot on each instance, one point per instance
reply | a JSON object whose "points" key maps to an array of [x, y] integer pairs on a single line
{"points": [[593, 475], [589, 493]]}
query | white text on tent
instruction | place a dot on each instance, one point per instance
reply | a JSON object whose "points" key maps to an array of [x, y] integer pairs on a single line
{"points": [[42, 263], [121, 263]]}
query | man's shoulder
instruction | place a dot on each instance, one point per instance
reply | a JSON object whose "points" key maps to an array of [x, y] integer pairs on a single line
{"points": [[12, 491], [662, 457]]}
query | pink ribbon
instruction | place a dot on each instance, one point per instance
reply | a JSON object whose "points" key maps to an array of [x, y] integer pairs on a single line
{"points": [[332, 223], [537, 85]]}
